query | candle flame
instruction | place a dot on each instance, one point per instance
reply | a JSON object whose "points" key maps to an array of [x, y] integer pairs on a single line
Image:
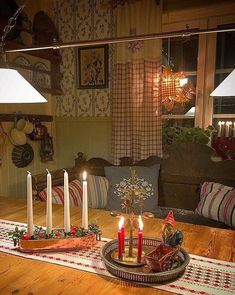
{"points": [[84, 175], [48, 172], [29, 173], [141, 225], [121, 222]]}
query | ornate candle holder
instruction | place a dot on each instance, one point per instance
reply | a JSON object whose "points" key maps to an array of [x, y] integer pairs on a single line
{"points": [[138, 258], [130, 251]]}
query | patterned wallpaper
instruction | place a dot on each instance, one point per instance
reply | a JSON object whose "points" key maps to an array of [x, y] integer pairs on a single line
{"points": [[82, 20]]}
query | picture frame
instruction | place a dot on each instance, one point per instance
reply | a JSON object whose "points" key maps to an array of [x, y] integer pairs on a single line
{"points": [[92, 67]]}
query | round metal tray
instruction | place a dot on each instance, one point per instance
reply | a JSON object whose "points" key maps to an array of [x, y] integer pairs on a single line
{"points": [[143, 274]]}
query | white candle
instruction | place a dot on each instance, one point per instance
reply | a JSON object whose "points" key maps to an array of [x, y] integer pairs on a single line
{"points": [[228, 123], [84, 202], [49, 205], [219, 129], [222, 128], [29, 205], [66, 203]]}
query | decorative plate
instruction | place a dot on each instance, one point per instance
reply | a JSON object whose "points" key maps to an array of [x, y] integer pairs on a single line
{"points": [[42, 79], [26, 73]]}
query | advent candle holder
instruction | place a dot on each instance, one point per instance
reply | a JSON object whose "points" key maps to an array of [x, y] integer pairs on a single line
{"points": [[38, 239]]}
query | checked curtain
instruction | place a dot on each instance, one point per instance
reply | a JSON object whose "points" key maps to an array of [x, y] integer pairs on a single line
{"points": [[136, 102]]}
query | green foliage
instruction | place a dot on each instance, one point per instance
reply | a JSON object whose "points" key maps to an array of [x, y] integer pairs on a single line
{"points": [[40, 233], [173, 135]]}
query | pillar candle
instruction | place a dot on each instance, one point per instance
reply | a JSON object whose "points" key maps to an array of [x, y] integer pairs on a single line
{"points": [[66, 203], [120, 238], [29, 205], [49, 204], [140, 239], [84, 202]]}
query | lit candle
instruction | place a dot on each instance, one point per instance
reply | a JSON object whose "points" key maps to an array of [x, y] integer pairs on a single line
{"points": [[66, 203], [120, 237], [84, 202], [219, 128], [230, 127], [123, 234], [140, 238], [29, 205], [49, 205], [228, 123], [222, 128]]}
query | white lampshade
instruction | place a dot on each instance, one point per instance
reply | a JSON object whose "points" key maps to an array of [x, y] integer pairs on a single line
{"points": [[14, 88], [227, 87]]}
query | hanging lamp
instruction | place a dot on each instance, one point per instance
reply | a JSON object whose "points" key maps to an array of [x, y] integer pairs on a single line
{"points": [[14, 88], [175, 86]]}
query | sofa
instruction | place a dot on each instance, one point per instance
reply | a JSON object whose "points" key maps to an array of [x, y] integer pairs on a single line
{"points": [[183, 169]]}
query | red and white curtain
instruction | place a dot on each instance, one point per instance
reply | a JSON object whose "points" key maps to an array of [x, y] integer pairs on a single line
{"points": [[136, 101]]}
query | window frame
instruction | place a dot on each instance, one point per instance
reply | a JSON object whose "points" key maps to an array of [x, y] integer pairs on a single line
{"points": [[202, 18]]}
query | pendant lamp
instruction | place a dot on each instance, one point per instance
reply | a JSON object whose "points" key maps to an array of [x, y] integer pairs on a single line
{"points": [[226, 87]]}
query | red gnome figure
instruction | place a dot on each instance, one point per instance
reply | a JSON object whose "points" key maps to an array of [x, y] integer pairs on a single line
{"points": [[170, 235]]}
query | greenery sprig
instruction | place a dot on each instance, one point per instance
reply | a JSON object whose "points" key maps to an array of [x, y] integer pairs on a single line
{"points": [[40, 233]]}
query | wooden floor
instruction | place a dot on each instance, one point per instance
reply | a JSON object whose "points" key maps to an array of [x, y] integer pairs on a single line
{"points": [[23, 276]]}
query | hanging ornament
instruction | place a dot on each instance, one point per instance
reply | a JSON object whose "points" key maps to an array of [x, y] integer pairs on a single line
{"points": [[175, 88]]}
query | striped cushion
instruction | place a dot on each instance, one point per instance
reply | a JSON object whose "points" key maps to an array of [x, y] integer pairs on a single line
{"points": [[75, 194], [217, 202], [97, 188]]}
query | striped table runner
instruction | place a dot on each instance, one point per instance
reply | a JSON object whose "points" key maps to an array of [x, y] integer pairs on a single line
{"points": [[203, 275]]}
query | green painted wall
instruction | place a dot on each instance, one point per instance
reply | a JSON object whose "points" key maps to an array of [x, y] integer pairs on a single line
{"points": [[92, 136]]}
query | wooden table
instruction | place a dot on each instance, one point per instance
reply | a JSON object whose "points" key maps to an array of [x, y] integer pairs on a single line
{"points": [[25, 276]]}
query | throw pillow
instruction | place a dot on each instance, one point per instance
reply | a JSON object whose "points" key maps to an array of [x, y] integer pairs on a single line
{"points": [[75, 194], [217, 202], [120, 179], [97, 189]]}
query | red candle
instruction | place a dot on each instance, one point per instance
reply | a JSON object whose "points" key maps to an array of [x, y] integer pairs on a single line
{"points": [[123, 237], [140, 239], [120, 237]]}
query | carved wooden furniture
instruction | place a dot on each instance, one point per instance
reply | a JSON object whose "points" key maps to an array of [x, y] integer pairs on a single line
{"points": [[184, 168]]}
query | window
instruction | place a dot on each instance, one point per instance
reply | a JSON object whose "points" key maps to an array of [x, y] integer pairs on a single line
{"points": [[225, 63], [183, 53]]}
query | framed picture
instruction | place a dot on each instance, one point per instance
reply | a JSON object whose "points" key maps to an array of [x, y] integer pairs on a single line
{"points": [[92, 67]]}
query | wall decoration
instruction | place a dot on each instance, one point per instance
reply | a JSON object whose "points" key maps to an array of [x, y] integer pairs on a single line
{"points": [[26, 73], [41, 75], [22, 155], [92, 67], [82, 20]]}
